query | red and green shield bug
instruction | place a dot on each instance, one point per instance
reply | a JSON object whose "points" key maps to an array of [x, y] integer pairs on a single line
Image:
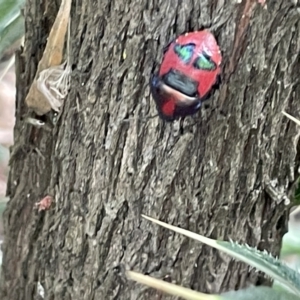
{"points": [[189, 69]]}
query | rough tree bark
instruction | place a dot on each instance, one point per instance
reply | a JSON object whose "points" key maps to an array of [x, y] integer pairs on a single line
{"points": [[209, 177]]}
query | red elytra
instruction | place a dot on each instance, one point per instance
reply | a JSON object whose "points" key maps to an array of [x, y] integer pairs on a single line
{"points": [[189, 70]]}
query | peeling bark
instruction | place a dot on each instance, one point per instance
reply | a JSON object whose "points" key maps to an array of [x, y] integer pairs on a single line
{"points": [[207, 174]]}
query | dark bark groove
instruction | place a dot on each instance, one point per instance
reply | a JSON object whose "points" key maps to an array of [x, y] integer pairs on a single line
{"points": [[209, 177]]}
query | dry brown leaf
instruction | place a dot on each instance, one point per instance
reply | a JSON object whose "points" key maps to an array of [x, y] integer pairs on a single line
{"points": [[52, 56]]}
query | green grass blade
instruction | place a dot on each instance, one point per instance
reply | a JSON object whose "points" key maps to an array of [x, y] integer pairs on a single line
{"points": [[258, 259]]}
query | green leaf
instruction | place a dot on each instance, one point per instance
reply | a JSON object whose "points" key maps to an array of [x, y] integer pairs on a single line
{"points": [[12, 33], [264, 262], [9, 10], [4, 154], [259, 293], [3, 202], [296, 196], [258, 259], [290, 243], [11, 23]]}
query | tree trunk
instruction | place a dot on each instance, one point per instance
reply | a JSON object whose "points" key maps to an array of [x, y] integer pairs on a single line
{"points": [[213, 177]]}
